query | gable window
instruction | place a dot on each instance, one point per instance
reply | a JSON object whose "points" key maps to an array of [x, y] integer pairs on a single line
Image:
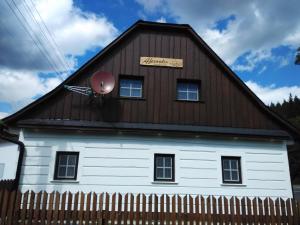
{"points": [[66, 165], [187, 91], [231, 167], [131, 87], [164, 168]]}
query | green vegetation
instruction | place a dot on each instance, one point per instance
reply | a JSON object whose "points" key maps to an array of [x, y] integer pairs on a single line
{"points": [[290, 110]]}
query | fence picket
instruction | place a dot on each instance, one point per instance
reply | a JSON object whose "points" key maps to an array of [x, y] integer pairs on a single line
{"points": [[203, 212], [131, 212], [106, 212], [100, 210], [4, 206], [277, 210], [191, 210], [62, 209], [167, 217], [10, 209], [44, 208], [162, 209], [272, 212], [220, 209], [144, 203], [208, 206], [232, 214], [112, 211], [215, 216], [24, 208], [75, 211], [87, 208], [137, 211], [126, 209], [226, 211], [179, 209], [197, 210], [289, 211], [94, 209], [119, 215], [36, 213], [69, 208], [56, 207], [150, 197], [17, 207], [283, 211], [295, 212]]}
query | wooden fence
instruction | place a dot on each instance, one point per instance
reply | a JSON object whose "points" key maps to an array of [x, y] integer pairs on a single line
{"points": [[128, 209], [7, 184]]}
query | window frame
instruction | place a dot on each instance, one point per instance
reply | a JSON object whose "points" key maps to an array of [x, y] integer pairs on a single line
{"points": [[184, 81], [238, 158], [172, 169], [58, 154], [128, 77]]}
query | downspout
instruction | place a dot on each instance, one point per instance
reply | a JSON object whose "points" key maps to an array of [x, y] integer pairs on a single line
{"points": [[20, 160]]}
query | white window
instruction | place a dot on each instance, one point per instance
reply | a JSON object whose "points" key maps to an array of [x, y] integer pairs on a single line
{"points": [[132, 88], [66, 166], [187, 91], [231, 167], [164, 167]]}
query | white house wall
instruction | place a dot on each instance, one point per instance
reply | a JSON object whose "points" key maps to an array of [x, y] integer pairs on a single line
{"points": [[123, 163], [9, 154]]}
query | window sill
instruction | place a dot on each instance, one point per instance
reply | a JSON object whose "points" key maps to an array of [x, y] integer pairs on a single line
{"points": [[233, 185], [65, 181], [190, 101], [132, 98], [165, 182]]}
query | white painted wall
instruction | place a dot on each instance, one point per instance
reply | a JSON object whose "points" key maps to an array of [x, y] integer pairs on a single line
{"points": [[9, 154], [123, 164]]}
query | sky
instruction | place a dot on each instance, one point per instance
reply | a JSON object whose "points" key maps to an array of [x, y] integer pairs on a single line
{"points": [[42, 42]]}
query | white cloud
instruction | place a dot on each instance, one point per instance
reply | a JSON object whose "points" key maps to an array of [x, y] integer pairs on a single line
{"points": [[271, 93], [21, 87], [3, 115], [73, 30], [150, 5], [161, 20], [258, 26]]}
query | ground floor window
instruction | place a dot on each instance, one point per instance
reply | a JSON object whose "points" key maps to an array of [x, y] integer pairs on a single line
{"points": [[66, 165], [231, 169], [164, 167]]}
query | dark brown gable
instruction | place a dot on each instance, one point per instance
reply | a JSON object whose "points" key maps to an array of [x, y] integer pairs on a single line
{"points": [[225, 101]]}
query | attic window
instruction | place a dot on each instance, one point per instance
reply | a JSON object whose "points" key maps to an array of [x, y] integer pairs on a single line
{"points": [[131, 87], [188, 90]]}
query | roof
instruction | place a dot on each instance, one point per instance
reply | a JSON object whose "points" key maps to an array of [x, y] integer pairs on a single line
{"points": [[10, 120]]}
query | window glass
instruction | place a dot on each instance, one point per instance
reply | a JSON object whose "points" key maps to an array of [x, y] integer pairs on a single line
{"points": [[231, 169], [66, 165], [131, 88], [164, 167], [187, 91]]}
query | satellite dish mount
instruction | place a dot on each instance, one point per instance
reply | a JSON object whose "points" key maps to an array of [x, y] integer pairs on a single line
{"points": [[101, 83]]}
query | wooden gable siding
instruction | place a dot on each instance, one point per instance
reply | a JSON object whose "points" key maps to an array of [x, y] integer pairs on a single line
{"points": [[224, 103]]}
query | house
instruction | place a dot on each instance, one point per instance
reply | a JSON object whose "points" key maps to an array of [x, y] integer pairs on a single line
{"points": [[178, 121]]}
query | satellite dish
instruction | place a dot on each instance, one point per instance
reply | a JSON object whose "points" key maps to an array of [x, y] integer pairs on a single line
{"points": [[102, 82]]}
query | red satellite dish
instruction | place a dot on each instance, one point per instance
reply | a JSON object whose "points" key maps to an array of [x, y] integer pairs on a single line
{"points": [[102, 82]]}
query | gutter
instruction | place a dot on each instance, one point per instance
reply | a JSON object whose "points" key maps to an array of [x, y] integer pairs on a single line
{"points": [[20, 160]]}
